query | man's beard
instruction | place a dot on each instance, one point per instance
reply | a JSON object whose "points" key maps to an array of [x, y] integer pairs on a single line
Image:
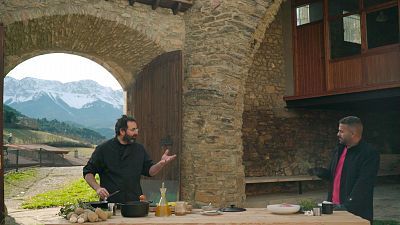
{"points": [[129, 139]]}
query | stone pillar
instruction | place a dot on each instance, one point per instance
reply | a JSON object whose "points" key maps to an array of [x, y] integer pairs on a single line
{"points": [[217, 55]]}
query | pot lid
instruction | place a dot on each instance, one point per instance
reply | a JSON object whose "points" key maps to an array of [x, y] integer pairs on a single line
{"points": [[233, 208]]}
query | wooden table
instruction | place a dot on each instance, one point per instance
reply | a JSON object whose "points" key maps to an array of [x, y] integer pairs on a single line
{"points": [[259, 216]]}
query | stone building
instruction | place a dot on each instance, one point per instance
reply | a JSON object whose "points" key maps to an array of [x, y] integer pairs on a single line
{"points": [[237, 67]]}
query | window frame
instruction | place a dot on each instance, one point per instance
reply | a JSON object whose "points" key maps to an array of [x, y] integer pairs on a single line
{"points": [[362, 11], [376, 9], [304, 3]]}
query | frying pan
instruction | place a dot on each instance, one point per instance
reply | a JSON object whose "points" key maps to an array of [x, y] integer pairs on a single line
{"points": [[102, 204]]}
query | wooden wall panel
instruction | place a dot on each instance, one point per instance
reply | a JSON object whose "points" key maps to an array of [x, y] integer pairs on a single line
{"points": [[157, 104], [345, 74], [309, 60], [383, 68]]}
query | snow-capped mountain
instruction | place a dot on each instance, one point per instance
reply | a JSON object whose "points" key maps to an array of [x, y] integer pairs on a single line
{"points": [[84, 102]]}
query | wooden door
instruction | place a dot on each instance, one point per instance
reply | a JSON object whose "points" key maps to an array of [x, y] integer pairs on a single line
{"points": [[309, 59], [2, 39], [156, 98]]}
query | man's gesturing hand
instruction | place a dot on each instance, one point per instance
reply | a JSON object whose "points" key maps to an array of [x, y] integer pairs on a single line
{"points": [[167, 158]]}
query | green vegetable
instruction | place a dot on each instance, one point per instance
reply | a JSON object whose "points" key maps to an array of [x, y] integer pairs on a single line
{"points": [[307, 204], [64, 211]]}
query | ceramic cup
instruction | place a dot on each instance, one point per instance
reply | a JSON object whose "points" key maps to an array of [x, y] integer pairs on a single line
{"points": [[180, 208], [317, 211]]}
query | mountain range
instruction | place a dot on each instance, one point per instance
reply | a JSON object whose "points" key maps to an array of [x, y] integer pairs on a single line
{"points": [[84, 102]]}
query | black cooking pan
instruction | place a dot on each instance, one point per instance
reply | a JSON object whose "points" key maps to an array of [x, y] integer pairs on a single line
{"points": [[99, 204], [134, 209], [102, 204]]}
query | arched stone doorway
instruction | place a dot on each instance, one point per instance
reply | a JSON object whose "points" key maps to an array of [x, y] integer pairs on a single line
{"points": [[103, 34]]}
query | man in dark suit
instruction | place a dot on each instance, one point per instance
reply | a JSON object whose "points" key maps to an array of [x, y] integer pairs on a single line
{"points": [[352, 170]]}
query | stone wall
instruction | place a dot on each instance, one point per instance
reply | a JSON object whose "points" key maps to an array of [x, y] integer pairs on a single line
{"points": [[283, 142], [278, 141]]}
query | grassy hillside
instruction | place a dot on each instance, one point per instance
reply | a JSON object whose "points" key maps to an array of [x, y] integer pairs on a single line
{"points": [[24, 136], [13, 119]]}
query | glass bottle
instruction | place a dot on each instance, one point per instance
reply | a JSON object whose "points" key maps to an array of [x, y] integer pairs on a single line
{"points": [[162, 206]]}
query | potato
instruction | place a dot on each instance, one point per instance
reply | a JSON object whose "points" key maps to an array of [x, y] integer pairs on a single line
{"points": [[84, 216], [73, 219], [87, 210], [102, 215], [69, 215], [109, 214], [92, 217], [81, 220], [79, 211]]}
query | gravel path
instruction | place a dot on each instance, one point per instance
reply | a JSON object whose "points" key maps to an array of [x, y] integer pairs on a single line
{"points": [[49, 178]]}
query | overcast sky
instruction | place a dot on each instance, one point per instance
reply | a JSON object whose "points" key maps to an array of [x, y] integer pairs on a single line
{"points": [[64, 68]]}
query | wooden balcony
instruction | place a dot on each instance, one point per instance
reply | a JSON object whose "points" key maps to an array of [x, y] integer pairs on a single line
{"points": [[326, 75]]}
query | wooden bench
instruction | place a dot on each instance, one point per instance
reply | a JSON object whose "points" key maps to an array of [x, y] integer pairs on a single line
{"points": [[276, 179], [389, 166]]}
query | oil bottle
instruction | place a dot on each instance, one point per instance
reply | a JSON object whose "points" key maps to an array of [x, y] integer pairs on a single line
{"points": [[162, 206]]}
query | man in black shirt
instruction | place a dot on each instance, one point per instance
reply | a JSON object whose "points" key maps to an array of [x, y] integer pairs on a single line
{"points": [[120, 162], [352, 170]]}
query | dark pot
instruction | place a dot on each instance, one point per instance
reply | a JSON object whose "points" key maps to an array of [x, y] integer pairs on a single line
{"points": [[327, 208], [134, 209], [99, 204]]}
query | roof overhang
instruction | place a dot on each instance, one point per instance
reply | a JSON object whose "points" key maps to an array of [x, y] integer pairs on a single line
{"points": [[382, 99]]}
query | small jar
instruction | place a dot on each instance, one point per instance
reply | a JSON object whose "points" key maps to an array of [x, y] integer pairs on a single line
{"points": [[112, 207]]}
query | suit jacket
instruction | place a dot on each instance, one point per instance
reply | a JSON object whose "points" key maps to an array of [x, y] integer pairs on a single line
{"points": [[358, 177]]}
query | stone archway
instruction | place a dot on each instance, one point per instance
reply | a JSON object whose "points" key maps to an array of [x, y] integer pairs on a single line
{"points": [[117, 36], [120, 38]]}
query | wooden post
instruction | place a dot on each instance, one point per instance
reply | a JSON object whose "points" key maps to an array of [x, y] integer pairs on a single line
{"points": [[2, 205], [16, 161], [40, 157]]}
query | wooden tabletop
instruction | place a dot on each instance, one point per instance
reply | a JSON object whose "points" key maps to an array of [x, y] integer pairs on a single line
{"points": [[259, 216]]}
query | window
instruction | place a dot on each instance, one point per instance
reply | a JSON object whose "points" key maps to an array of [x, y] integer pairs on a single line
{"points": [[345, 36], [352, 29], [309, 13], [383, 27]]}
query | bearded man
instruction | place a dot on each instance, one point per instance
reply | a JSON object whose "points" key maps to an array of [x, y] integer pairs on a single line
{"points": [[352, 171], [120, 162]]}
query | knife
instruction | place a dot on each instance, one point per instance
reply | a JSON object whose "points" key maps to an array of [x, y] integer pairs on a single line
{"points": [[115, 192]]}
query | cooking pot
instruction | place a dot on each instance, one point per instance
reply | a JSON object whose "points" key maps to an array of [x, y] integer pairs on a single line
{"points": [[134, 209]]}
